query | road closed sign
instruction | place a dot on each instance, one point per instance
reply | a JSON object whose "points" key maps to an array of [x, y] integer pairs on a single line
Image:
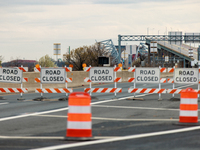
{"points": [[52, 75], [186, 75], [101, 74], [147, 75], [11, 75]]}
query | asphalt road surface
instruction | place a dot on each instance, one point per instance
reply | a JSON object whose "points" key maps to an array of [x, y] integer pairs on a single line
{"points": [[117, 122]]}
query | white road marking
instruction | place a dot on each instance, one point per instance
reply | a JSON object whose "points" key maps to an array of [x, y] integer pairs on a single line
{"points": [[32, 114], [57, 110], [4, 103], [32, 137], [119, 138], [125, 107], [119, 119], [113, 119], [50, 138]]}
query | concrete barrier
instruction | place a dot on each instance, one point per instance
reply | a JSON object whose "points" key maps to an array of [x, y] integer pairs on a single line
{"points": [[77, 80]]}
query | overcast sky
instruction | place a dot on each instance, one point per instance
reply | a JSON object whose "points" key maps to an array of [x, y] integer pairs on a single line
{"points": [[28, 28]]}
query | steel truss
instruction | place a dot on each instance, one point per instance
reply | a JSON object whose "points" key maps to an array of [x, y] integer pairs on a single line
{"points": [[110, 47]]}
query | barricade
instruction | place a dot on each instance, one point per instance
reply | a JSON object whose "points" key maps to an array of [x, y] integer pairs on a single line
{"points": [[79, 122], [183, 76], [188, 106], [147, 75], [13, 75], [53, 76], [102, 75]]}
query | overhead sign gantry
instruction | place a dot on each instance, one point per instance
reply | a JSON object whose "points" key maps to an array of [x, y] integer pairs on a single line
{"points": [[171, 37]]}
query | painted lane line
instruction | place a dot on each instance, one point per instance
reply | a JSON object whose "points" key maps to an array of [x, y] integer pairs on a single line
{"points": [[53, 116], [57, 110], [32, 114], [50, 138], [112, 119], [4, 103], [119, 138], [125, 107], [63, 109], [32, 137], [119, 119]]}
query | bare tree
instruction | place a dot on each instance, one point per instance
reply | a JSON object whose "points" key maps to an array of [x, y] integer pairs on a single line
{"points": [[1, 59], [85, 54]]}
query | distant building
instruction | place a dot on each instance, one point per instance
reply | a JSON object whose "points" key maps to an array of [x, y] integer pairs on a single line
{"points": [[17, 63]]}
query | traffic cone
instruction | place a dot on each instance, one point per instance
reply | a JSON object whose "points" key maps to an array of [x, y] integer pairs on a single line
{"points": [[188, 106], [79, 124]]}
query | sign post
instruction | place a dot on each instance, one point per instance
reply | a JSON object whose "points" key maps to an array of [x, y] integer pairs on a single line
{"points": [[153, 49]]}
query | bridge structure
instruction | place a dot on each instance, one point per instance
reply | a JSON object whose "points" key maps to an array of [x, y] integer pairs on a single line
{"points": [[168, 45]]}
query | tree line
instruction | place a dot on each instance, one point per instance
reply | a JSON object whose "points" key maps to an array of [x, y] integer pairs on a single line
{"points": [[85, 54]]}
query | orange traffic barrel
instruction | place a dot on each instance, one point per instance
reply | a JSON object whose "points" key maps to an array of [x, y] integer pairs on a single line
{"points": [[79, 124], [189, 106]]}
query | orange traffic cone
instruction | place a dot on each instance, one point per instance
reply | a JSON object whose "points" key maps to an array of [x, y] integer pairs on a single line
{"points": [[189, 106], [79, 124]]}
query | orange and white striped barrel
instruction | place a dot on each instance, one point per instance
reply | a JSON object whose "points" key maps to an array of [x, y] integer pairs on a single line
{"points": [[189, 106], [13, 90], [103, 90], [54, 90], [146, 90], [79, 122]]}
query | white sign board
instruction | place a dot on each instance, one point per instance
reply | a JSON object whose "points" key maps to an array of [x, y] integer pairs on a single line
{"points": [[101, 74], [147, 75], [11, 75], [124, 55], [131, 49], [186, 75], [52, 75], [166, 58]]}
